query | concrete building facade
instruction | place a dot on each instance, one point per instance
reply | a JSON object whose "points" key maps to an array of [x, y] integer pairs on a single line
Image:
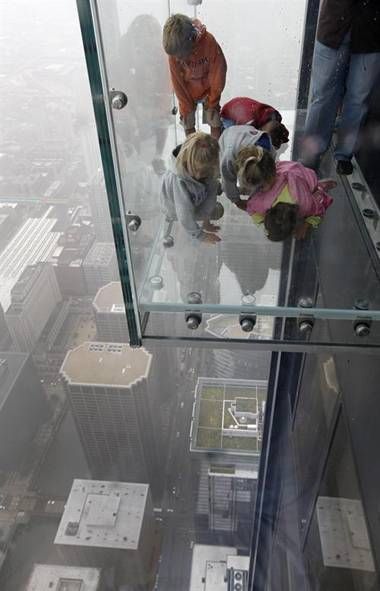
{"points": [[111, 323], [22, 405], [100, 266], [33, 299], [227, 430], [68, 258], [106, 384]]}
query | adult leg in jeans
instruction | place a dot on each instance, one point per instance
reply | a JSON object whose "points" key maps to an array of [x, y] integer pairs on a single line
{"points": [[327, 89], [364, 72]]}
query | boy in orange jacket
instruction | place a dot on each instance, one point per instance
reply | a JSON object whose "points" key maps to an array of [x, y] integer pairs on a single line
{"points": [[198, 70]]}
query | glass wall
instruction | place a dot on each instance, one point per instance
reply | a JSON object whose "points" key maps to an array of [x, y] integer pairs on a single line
{"points": [[171, 268], [139, 468]]}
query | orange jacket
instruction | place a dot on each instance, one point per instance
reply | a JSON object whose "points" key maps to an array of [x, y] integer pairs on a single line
{"points": [[202, 75]]}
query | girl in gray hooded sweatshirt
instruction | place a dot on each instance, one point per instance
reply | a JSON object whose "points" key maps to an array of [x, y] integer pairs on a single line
{"points": [[233, 143], [190, 188]]}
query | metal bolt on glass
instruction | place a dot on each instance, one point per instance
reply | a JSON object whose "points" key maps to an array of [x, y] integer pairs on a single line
{"points": [[156, 281], [369, 213], [193, 318], [247, 320], [133, 222], [361, 304], [358, 186], [362, 327], [305, 325], [168, 241], [118, 99]]}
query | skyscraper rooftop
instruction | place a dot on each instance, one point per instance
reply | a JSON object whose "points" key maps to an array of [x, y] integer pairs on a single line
{"points": [[103, 514], [228, 416], [106, 364], [54, 577], [110, 298], [35, 241], [218, 568]]}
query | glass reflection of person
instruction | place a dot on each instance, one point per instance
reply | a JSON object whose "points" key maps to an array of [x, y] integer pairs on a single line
{"points": [[198, 70], [144, 72]]}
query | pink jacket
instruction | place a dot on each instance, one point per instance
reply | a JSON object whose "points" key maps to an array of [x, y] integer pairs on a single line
{"points": [[303, 187]]}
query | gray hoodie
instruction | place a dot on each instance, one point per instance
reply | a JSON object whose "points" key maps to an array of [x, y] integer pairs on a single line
{"points": [[231, 141], [187, 200]]}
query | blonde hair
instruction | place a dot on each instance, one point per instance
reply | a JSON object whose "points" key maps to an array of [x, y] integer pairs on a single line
{"points": [[176, 33], [199, 156], [254, 165]]}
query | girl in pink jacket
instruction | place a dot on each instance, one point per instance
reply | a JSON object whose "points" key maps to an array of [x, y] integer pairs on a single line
{"points": [[289, 197]]}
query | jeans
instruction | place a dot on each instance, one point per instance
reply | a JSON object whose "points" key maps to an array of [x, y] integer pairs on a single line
{"points": [[227, 123], [339, 79]]}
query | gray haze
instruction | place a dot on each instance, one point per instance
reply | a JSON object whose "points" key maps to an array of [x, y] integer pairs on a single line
{"points": [[57, 255]]}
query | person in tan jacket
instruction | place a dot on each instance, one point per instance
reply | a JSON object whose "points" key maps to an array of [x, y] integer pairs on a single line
{"points": [[197, 68]]}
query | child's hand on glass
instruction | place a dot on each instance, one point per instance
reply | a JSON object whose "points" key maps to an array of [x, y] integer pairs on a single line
{"points": [[210, 238]]}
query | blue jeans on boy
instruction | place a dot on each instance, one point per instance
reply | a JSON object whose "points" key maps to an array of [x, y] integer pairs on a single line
{"points": [[339, 79]]}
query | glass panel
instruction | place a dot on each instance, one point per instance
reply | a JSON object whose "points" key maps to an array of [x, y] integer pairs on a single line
{"points": [[107, 479], [245, 268], [334, 561], [318, 525], [139, 468]]}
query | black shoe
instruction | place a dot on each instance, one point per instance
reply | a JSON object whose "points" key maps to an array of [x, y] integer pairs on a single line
{"points": [[344, 167]]}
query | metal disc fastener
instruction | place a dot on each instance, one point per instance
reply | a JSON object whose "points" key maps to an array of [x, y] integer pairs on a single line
{"points": [[194, 297], [358, 186], [362, 328], [369, 213], [247, 320], [168, 241], [133, 221], [193, 318], [305, 326], [118, 99], [156, 281], [305, 323]]}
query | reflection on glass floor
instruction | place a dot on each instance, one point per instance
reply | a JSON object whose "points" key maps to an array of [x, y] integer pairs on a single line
{"points": [[242, 264]]}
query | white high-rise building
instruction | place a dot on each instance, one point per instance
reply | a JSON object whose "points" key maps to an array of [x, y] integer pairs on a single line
{"points": [[33, 299], [100, 266], [106, 384], [111, 322]]}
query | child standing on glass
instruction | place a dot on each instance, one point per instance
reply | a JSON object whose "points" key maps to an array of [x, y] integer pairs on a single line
{"points": [[198, 70], [190, 188]]}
